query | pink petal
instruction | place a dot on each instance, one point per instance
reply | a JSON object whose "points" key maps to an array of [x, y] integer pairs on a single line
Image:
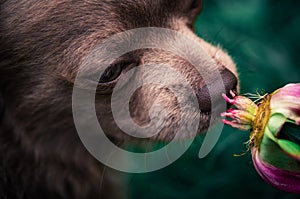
{"points": [[286, 100], [290, 90], [281, 179]]}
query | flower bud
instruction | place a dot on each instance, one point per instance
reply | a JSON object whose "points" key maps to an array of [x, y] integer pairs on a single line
{"points": [[275, 134]]}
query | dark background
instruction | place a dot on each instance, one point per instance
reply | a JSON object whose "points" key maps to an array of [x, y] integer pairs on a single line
{"points": [[262, 37]]}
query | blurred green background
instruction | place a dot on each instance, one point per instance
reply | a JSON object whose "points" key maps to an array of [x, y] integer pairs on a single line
{"points": [[262, 37]]}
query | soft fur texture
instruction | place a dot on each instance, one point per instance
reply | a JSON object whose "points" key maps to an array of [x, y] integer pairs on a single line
{"points": [[42, 45]]}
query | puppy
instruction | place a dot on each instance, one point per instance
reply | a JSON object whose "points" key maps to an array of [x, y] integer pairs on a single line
{"points": [[43, 44]]}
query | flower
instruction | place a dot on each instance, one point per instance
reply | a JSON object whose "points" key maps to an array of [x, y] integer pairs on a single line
{"points": [[275, 134]]}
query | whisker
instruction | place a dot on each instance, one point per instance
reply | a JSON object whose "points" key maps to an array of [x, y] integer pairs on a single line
{"points": [[104, 169], [145, 160], [167, 155], [236, 43], [218, 33], [102, 179]]}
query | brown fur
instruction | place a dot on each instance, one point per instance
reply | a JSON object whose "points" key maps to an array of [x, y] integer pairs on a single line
{"points": [[42, 45]]}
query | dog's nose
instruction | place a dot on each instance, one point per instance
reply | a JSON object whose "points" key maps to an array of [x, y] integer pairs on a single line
{"points": [[230, 80], [205, 96]]}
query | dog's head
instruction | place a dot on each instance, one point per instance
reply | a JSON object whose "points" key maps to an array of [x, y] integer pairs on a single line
{"points": [[44, 43]]}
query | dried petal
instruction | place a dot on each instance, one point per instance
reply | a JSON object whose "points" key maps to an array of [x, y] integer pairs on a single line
{"points": [[237, 125], [242, 103], [242, 117]]}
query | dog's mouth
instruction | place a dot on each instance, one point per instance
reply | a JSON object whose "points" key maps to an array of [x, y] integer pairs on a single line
{"points": [[205, 120]]}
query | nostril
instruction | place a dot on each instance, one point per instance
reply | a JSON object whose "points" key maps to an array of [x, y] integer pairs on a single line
{"points": [[230, 80], [204, 96], [204, 101]]}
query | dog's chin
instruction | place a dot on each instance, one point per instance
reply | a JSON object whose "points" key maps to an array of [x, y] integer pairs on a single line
{"points": [[185, 132], [185, 128]]}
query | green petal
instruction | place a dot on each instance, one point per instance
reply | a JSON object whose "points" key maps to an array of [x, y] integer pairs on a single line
{"points": [[271, 153], [291, 131], [290, 148], [269, 134], [275, 123]]}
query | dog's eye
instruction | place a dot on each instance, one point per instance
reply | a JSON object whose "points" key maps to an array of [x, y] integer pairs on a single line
{"points": [[112, 73]]}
